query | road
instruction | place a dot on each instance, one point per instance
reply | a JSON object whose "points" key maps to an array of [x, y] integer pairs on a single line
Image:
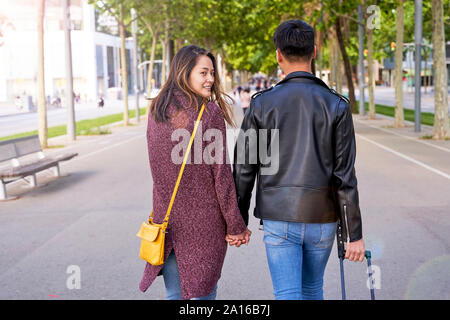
{"points": [[14, 122], [28, 121], [89, 220], [386, 96]]}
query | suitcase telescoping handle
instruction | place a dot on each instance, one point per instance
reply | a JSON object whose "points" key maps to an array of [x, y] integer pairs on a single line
{"points": [[368, 255], [341, 255]]}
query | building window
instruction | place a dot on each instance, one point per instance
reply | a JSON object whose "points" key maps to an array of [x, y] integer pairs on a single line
{"points": [[110, 59], [99, 60]]}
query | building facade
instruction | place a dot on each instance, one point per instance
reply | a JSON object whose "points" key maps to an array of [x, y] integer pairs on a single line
{"points": [[95, 51], [408, 65]]}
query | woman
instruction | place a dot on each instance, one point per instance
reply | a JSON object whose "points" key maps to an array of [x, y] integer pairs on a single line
{"points": [[205, 211]]}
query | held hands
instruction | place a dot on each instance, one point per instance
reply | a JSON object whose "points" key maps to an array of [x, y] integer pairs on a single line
{"points": [[238, 239], [354, 251]]}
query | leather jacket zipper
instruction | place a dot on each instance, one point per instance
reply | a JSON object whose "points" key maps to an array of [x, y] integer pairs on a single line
{"points": [[346, 223]]}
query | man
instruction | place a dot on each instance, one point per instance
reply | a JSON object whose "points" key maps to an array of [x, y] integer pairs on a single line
{"points": [[315, 184]]}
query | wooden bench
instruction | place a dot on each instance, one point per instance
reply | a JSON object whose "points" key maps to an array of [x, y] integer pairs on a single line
{"points": [[23, 157]]}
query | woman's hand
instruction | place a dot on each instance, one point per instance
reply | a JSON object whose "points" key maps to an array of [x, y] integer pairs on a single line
{"points": [[239, 239]]}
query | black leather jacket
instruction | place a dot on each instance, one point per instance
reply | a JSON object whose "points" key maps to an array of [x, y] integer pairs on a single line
{"points": [[315, 180]]}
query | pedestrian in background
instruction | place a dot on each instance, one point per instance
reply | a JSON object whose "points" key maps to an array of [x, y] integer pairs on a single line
{"points": [[205, 211], [245, 99], [239, 89], [18, 102], [100, 102]]}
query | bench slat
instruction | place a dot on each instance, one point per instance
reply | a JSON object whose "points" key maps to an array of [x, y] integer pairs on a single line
{"points": [[22, 171], [15, 148], [7, 152], [64, 157], [28, 146], [29, 169]]}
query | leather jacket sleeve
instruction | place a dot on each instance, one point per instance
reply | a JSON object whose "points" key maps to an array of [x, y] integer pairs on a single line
{"points": [[344, 178], [244, 169]]}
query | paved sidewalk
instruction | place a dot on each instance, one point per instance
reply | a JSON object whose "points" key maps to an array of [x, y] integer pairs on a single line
{"points": [[89, 219]]}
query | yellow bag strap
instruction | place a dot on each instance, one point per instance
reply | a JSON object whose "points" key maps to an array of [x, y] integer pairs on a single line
{"points": [[169, 209]]}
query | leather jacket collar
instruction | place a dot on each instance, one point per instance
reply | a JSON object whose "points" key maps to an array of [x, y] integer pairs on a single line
{"points": [[304, 75], [307, 75]]}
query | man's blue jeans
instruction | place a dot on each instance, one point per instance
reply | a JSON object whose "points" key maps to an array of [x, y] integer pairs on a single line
{"points": [[297, 254], [172, 280]]}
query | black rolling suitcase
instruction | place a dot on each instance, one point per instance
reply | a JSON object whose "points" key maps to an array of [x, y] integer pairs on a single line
{"points": [[341, 255]]}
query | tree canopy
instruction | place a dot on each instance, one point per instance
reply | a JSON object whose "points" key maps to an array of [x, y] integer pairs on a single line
{"points": [[241, 30]]}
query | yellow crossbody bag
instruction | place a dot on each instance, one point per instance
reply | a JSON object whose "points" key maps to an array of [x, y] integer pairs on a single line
{"points": [[152, 234]]}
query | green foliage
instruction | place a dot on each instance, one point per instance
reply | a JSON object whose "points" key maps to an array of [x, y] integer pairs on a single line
{"points": [[242, 30], [426, 118]]}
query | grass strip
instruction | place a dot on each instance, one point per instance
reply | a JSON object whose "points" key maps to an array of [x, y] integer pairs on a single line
{"points": [[426, 118], [83, 127]]}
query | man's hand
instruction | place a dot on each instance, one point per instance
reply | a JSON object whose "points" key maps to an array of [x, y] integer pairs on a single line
{"points": [[238, 239], [354, 251]]}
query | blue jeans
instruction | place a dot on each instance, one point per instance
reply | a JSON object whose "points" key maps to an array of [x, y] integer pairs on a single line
{"points": [[172, 280], [297, 254]]}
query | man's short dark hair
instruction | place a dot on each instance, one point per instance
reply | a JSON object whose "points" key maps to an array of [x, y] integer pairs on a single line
{"points": [[295, 40]]}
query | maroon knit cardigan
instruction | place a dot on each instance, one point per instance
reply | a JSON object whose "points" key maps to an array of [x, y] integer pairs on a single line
{"points": [[205, 208]]}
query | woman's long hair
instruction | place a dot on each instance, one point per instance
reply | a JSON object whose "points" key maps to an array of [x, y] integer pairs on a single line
{"points": [[180, 70]]}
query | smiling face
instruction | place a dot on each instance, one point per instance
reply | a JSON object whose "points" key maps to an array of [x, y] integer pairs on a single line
{"points": [[201, 78]]}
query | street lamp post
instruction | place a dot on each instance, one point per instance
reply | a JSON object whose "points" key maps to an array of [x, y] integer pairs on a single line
{"points": [[418, 56], [71, 130], [361, 60], [134, 28]]}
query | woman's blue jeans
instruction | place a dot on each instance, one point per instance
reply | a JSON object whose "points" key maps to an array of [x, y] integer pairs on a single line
{"points": [[297, 254], [172, 280]]}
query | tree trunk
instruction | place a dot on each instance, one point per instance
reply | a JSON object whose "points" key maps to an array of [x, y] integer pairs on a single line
{"points": [[41, 102], [244, 77], [124, 68], [233, 84], [347, 66], [425, 57], [371, 76], [150, 72], [221, 72], [71, 123], [331, 60], [155, 34], [441, 120], [226, 86], [319, 35], [170, 52], [338, 77], [398, 78], [178, 44], [164, 61]]}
